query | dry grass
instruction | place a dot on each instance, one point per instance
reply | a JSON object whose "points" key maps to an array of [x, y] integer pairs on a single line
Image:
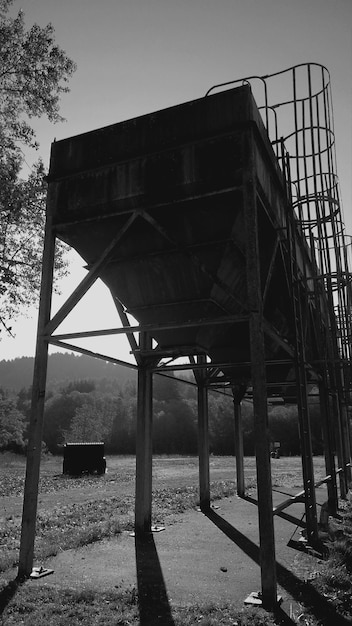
{"points": [[335, 579], [81, 520], [49, 607], [64, 527]]}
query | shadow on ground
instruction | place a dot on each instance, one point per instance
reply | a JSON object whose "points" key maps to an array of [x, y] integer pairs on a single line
{"points": [[304, 593], [283, 514], [154, 606], [153, 602], [7, 593]]}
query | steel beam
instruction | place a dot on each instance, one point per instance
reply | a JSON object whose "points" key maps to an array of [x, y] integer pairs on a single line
{"points": [[144, 453], [126, 323], [88, 280], [263, 467], [339, 444], [239, 448], [150, 328], [300, 307], [307, 458], [328, 447], [34, 449], [95, 355], [257, 351], [346, 442], [203, 437]]}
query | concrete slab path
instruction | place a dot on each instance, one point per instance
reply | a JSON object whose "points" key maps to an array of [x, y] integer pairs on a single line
{"points": [[197, 558]]}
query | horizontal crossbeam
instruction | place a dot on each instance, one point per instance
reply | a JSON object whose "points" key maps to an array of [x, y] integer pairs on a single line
{"points": [[150, 328]]}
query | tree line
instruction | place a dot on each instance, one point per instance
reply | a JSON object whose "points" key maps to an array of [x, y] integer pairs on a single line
{"points": [[88, 410], [63, 367]]}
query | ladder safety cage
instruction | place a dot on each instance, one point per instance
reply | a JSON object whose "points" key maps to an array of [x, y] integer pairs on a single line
{"points": [[297, 111]]}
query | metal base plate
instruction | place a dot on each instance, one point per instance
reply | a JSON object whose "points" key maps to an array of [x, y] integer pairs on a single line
{"points": [[153, 529], [255, 599], [39, 572], [157, 529]]}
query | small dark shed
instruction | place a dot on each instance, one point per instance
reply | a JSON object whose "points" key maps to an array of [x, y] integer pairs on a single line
{"points": [[84, 458]]}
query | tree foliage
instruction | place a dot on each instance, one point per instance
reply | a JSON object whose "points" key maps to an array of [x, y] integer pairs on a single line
{"points": [[93, 420], [59, 412], [11, 425], [174, 418], [82, 412], [34, 72], [102, 410]]}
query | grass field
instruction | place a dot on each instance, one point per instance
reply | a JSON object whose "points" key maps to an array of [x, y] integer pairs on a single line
{"points": [[73, 512]]}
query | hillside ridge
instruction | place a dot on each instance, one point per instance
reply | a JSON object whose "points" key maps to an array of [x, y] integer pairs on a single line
{"points": [[63, 368]]}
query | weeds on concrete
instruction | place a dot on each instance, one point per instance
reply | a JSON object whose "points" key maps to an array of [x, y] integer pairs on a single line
{"points": [[335, 579]]}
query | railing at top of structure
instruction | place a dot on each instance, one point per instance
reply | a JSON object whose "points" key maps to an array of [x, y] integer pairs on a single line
{"points": [[297, 111]]}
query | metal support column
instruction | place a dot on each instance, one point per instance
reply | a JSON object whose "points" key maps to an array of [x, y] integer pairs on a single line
{"points": [[328, 447], [307, 456], [144, 449], [203, 438], [262, 452], [339, 444], [300, 308], [239, 448], [34, 449], [337, 394], [256, 339], [346, 443]]}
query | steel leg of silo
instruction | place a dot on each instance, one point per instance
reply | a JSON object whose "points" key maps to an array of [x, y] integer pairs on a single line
{"points": [[306, 456], [257, 351], [203, 442], [328, 448], [144, 444], [34, 448], [262, 451], [239, 449], [339, 445], [346, 443]]}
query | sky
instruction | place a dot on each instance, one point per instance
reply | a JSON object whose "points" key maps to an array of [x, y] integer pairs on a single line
{"points": [[138, 56]]}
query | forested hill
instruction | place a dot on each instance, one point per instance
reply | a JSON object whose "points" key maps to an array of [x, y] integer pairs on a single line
{"points": [[63, 368]]}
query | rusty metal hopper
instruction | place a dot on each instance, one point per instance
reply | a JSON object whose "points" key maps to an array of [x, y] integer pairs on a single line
{"points": [[172, 187]]}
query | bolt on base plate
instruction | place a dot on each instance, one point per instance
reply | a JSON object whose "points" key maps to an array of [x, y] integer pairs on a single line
{"points": [[255, 598], [39, 572]]}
